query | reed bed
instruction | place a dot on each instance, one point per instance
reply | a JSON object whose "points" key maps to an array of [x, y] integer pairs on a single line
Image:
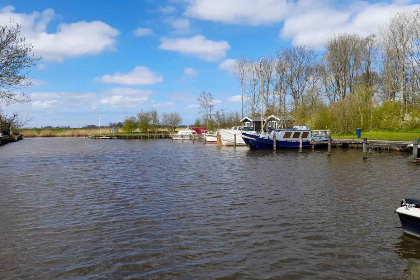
{"points": [[71, 132]]}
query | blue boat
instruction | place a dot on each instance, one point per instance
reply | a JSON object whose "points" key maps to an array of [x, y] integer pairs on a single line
{"points": [[409, 214], [285, 139]]}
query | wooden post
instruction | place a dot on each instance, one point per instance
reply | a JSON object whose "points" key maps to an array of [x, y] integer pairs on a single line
{"points": [[148, 135], [365, 148], [274, 142], [370, 149], [172, 138], [329, 144], [300, 143], [163, 137], [234, 140], [193, 138], [155, 136], [219, 139], [415, 149], [205, 140]]}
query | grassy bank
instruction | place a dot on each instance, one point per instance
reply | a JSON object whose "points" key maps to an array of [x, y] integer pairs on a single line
{"points": [[382, 135], [71, 132]]}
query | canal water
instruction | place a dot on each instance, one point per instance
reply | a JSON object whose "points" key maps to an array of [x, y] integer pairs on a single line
{"points": [[152, 209]]}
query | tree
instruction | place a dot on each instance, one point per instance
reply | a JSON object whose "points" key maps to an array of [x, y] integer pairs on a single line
{"points": [[240, 70], [171, 120], [130, 124], [15, 60], [144, 120], [154, 119], [206, 106]]}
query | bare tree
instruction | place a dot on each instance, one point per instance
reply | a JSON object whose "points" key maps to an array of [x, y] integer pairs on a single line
{"points": [[15, 60], [240, 70], [206, 106], [171, 120], [268, 68]]}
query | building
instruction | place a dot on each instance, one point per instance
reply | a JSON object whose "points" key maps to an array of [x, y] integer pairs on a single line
{"points": [[270, 122]]}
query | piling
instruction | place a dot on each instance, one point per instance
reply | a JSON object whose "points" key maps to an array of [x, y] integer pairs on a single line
{"points": [[329, 144], [219, 139], [415, 149], [300, 144], [172, 138], [163, 137], [365, 155], [193, 138], [370, 149], [274, 142], [234, 140]]}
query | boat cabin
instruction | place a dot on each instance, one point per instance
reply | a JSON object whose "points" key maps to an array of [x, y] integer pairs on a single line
{"points": [[270, 123], [199, 130]]}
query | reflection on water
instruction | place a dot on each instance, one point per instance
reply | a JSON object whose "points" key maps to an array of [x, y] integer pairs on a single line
{"points": [[162, 210]]}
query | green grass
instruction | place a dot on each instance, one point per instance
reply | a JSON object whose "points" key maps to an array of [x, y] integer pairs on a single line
{"points": [[381, 135]]}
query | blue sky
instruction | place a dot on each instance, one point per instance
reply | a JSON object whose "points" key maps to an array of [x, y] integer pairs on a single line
{"points": [[115, 58]]}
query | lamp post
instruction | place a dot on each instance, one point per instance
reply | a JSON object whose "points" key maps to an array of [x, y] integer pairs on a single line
{"points": [[261, 97]]}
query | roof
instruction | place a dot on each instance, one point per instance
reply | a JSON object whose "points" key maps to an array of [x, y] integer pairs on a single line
{"points": [[258, 119]]}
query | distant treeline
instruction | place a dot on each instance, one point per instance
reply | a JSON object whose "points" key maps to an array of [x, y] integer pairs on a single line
{"points": [[372, 82]]}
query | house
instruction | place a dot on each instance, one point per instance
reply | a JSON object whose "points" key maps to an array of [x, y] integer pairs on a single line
{"points": [[270, 122]]}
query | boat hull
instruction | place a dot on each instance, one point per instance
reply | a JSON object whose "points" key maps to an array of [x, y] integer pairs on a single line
{"points": [[211, 139], [257, 143], [228, 138], [409, 222]]}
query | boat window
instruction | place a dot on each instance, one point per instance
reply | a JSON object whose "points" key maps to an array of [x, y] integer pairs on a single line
{"points": [[305, 134], [296, 135], [287, 135]]}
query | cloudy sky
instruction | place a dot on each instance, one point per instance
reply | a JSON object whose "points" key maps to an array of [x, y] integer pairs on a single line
{"points": [[114, 58]]}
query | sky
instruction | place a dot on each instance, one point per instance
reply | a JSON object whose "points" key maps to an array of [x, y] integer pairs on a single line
{"points": [[112, 59]]}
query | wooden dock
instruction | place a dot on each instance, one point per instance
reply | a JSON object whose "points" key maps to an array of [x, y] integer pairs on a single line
{"points": [[371, 144]]}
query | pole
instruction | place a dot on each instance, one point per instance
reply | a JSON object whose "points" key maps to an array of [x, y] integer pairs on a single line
{"points": [[261, 97], [274, 142], [415, 149], [365, 148], [234, 140], [329, 144], [300, 144]]}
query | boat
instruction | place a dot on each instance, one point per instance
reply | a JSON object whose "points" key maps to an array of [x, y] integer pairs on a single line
{"points": [[320, 135], [211, 138], [233, 136], [186, 134], [409, 214], [286, 138]]}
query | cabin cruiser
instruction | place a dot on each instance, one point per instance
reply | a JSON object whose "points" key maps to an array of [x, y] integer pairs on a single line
{"points": [[409, 214], [285, 138], [320, 135], [185, 134], [233, 136]]}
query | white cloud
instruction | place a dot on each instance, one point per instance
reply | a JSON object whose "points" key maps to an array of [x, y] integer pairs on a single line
{"points": [[217, 101], [250, 12], [181, 96], [164, 105], [126, 97], [45, 104], [234, 99], [181, 25], [167, 9], [227, 65], [197, 46], [41, 66], [70, 40], [190, 72], [140, 75], [315, 27], [53, 100], [139, 32], [193, 106]]}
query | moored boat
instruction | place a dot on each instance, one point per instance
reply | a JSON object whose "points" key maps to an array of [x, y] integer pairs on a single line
{"points": [[186, 134], [409, 214], [233, 136], [211, 138], [288, 138]]}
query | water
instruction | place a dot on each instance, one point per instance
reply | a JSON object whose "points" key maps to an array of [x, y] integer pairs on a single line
{"points": [[110, 209]]}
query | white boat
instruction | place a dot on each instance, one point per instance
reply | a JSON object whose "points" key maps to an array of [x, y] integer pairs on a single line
{"points": [[320, 135], [186, 134], [233, 136], [211, 138], [409, 214]]}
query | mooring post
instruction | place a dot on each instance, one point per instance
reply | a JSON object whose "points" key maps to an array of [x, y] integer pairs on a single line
{"points": [[155, 136], [148, 135], [300, 144], [172, 138], [205, 140], [163, 137], [274, 142], [365, 148], [370, 149], [234, 140], [415, 149], [193, 138], [329, 144], [219, 139]]}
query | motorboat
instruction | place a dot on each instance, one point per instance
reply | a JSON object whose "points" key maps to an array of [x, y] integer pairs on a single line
{"points": [[211, 138], [186, 134], [409, 214], [286, 138], [320, 135], [233, 136]]}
